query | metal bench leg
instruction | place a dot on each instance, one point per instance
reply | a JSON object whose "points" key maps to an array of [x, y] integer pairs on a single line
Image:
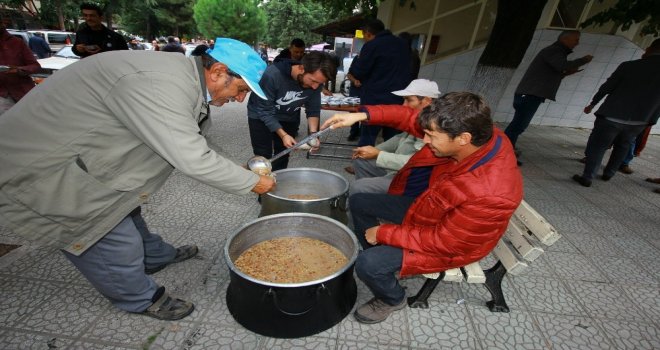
{"points": [[420, 299], [494, 277]]}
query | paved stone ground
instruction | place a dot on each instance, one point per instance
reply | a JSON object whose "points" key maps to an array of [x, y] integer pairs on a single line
{"points": [[596, 288]]}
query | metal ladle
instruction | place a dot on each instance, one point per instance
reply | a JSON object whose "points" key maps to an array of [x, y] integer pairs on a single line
{"points": [[262, 166]]}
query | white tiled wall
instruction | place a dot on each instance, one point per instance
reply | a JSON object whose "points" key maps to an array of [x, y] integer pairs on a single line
{"points": [[575, 92]]}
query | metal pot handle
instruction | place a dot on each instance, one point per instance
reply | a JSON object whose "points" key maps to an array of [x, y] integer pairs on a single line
{"points": [[336, 203], [272, 293]]}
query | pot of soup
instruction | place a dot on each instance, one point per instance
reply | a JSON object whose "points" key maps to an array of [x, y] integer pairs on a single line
{"points": [[291, 274], [307, 190]]}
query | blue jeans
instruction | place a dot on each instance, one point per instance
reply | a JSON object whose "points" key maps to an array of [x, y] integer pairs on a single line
{"points": [[115, 264], [377, 265], [525, 107], [604, 134]]}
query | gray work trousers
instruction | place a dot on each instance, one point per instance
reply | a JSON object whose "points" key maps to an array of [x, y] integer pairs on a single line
{"points": [[115, 264], [370, 178]]}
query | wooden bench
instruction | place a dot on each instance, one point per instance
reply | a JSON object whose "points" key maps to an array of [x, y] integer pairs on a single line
{"points": [[522, 243]]}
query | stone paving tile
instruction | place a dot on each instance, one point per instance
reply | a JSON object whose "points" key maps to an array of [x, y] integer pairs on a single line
{"points": [[647, 298], [211, 337], [80, 345], [604, 300], [43, 263], [543, 294], [69, 312], [594, 244], [21, 297], [444, 325], [477, 295], [575, 267], [630, 335], [129, 330], [21, 340], [625, 271], [515, 329], [572, 332], [307, 343]]}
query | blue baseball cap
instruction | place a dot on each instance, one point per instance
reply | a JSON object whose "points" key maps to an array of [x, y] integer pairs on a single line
{"points": [[242, 60]]}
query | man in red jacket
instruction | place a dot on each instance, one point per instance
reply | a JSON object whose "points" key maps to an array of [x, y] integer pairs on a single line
{"points": [[16, 64], [446, 208]]}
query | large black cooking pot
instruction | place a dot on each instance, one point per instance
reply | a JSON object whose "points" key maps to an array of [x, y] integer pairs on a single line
{"points": [[297, 309], [330, 188]]}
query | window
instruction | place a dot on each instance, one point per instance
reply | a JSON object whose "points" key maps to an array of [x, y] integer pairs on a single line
{"points": [[568, 13]]}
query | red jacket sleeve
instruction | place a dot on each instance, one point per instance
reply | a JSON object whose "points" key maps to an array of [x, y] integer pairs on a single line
{"points": [[394, 116]]}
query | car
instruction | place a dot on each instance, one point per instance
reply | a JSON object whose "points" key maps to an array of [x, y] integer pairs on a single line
{"points": [[56, 39], [21, 34], [59, 60]]}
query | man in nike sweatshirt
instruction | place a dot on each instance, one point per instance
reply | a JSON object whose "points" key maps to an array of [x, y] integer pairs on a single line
{"points": [[289, 85]]}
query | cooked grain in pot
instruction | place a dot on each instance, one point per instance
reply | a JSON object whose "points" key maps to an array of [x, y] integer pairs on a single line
{"points": [[290, 260], [303, 196]]}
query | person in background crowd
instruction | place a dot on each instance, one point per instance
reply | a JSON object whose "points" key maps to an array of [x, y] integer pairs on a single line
{"points": [[199, 50], [93, 37], [155, 45], [632, 104], [542, 79], [383, 66], [375, 167], [19, 63], [415, 61], [173, 46], [74, 176], [39, 46], [295, 51], [289, 86], [134, 44], [446, 208], [211, 44]]}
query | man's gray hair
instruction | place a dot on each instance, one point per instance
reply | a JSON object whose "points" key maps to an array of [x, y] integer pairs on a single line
{"points": [[566, 33]]}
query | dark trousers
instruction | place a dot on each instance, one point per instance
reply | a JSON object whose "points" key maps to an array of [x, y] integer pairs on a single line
{"points": [[369, 133], [377, 265], [605, 134], [266, 143], [525, 106]]}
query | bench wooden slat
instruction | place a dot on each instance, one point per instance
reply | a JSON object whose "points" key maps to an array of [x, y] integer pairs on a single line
{"points": [[516, 234], [541, 229], [507, 256], [474, 273]]}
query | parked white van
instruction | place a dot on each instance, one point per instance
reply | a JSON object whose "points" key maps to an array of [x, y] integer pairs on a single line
{"points": [[56, 39]]}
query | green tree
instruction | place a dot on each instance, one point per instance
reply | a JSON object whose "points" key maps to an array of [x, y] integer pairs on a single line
{"points": [[288, 19], [238, 19], [627, 12]]}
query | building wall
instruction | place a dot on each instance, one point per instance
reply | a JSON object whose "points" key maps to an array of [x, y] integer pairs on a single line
{"points": [[575, 92]]}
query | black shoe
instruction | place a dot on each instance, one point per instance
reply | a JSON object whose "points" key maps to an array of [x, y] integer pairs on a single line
{"points": [[583, 160], [606, 177], [182, 253], [519, 163], [167, 308], [349, 169], [582, 181]]}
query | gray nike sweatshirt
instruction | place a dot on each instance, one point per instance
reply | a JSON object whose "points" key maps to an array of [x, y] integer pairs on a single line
{"points": [[285, 97]]}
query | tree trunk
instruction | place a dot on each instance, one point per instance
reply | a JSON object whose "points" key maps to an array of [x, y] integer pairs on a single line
{"points": [[512, 32], [60, 14]]}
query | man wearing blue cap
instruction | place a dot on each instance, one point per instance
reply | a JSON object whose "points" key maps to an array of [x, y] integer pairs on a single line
{"points": [[289, 86], [77, 162]]}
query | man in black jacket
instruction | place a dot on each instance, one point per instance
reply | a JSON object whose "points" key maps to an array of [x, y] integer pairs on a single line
{"points": [[632, 104], [384, 66], [289, 86], [93, 37], [542, 79]]}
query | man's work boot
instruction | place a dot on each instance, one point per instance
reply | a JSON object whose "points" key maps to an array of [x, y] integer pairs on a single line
{"points": [[582, 181], [376, 310], [182, 253], [165, 307]]}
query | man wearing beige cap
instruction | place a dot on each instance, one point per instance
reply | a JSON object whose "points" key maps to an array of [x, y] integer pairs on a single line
{"points": [[77, 162], [375, 167]]}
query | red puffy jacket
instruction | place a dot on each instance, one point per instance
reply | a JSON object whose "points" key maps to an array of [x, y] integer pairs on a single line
{"points": [[466, 208]]}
